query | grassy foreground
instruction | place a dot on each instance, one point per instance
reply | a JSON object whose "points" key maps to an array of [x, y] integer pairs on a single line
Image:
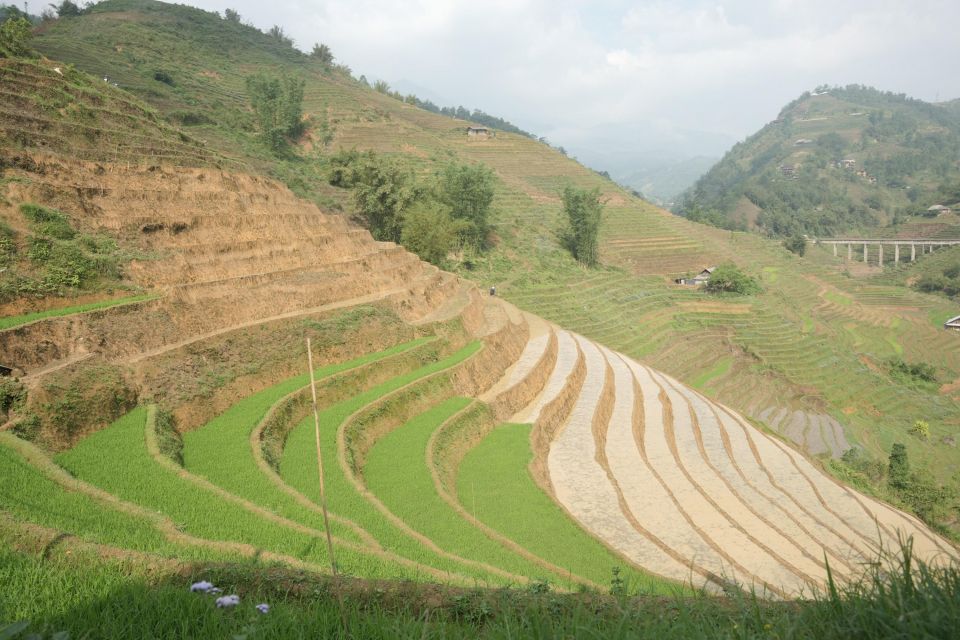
{"points": [[93, 598]]}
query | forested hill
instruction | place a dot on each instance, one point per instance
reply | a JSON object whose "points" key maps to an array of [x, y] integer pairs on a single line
{"points": [[833, 161]]}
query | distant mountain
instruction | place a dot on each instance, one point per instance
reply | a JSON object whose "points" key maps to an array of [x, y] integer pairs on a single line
{"points": [[834, 160], [663, 183]]}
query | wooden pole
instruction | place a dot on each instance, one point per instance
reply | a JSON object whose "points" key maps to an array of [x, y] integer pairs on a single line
{"points": [[323, 495], [316, 430]]}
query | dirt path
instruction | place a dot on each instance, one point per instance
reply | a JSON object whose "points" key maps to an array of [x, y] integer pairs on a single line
{"points": [[340, 304]]}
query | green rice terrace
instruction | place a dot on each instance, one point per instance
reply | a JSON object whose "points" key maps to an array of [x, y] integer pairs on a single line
{"points": [[591, 452]]}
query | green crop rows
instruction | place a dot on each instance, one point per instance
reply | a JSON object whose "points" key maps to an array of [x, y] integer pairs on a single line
{"points": [[494, 485], [408, 490], [117, 460], [15, 321]]}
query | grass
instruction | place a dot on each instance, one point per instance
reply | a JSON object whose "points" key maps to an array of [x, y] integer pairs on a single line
{"points": [[10, 322], [93, 597], [409, 492], [719, 369], [133, 475], [837, 298], [29, 495], [220, 450], [298, 468], [494, 484]]}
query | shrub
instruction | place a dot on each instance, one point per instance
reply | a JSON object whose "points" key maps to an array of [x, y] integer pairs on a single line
{"points": [[728, 278], [918, 371], [162, 76], [48, 222], [8, 244], [920, 429], [12, 395]]}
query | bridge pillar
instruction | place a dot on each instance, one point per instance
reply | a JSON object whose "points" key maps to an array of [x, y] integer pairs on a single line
{"points": [[864, 252], [834, 249], [913, 252], [880, 260], [896, 253], [849, 252]]}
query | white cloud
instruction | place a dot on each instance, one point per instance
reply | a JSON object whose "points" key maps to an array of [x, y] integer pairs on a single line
{"points": [[566, 68]]}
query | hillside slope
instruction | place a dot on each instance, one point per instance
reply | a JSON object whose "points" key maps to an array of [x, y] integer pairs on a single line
{"points": [[833, 161], [185, 418], [808, 357]]}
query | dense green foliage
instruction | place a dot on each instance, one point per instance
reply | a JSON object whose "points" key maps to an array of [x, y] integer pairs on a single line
{"points": [[430, 232], [278, 105], [322, 53], [728, 278], [583, 212], [15, 34], [467, 192], [919, 371], [12, 395], [946, 282], [796, 243], [430, 219], [895, 481], [834, 161], [58, 259]]}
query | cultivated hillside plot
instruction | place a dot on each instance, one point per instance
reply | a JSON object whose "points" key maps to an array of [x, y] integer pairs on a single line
{"points": [[688, 489]]}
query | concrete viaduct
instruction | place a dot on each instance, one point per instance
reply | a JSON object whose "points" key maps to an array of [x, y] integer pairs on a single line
{"points": [[926, 246]]}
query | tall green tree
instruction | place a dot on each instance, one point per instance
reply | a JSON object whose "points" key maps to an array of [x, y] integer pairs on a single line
{"points": [[383, 191], [584, 212], [278, 105], [898, 470], [322, 53], [430, 231], [728, 278], [467, 191]]}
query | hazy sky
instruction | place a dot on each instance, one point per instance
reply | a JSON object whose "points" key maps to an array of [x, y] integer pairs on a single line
{"points": [[677, 78]]}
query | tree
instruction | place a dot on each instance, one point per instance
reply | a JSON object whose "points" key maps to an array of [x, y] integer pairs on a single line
{"points": [[584, 212], [66, 9], [467, 191], [898, 471], [727, 278], [15, 37], [323, 54], [383, 191], [231, 15], [381, 86], [277, 33], [796, 243], [278, 104], [430, 231]]}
